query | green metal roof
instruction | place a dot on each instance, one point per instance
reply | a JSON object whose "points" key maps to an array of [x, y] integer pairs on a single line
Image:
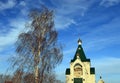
{"points": [[92, 70], [67, 71], [81, 55]]}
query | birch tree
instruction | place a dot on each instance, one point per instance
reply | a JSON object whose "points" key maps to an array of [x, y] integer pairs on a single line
{"points": [[37, 49]]}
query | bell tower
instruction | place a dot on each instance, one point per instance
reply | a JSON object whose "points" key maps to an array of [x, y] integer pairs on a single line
{"points": [[80, 70]]}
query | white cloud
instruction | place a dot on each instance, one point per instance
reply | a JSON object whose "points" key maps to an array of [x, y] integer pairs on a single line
{"points": [[23, 6], [68, 7], [7, 5], [63, 22], [24, 12], [10, 37], [107, 65], [70, 51], [66, 10], [108, 3], [101, 43], [103, 36], [22, 3]]}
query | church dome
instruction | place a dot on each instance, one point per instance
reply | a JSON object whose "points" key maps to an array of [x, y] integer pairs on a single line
{"points": [[100, 81]]}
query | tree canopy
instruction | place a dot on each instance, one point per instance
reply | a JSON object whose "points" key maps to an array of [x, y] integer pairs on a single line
{"points": [[37, 49]]}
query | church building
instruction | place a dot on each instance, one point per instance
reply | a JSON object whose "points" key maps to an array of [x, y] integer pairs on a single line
{"points": [[80, 70]]}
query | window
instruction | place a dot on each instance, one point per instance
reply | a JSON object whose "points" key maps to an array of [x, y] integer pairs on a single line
{"points": [[78, 70]]}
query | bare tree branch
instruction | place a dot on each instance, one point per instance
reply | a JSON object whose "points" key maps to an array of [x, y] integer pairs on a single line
{"points": [[37, 50]]}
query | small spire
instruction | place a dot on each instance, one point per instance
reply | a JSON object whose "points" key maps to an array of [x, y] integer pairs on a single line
{"points": [[100, 77], [79, 42]]}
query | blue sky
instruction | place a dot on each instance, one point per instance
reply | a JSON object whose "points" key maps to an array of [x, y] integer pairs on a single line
{"points": [[96, 22]]}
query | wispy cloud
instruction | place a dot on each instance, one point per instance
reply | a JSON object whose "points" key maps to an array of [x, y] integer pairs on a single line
{"points": [[22, 3], [104, 35], [67, 7], [63, 22], [7, 5], [107, 65], [96, 38], [67, 52], [66, 10], [7, 38], [108, 3], [10, 37]]}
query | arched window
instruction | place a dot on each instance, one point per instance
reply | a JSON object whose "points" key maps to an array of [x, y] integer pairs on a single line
{"points": [[78, 70]]}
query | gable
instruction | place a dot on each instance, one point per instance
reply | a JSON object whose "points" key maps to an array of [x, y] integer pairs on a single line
{"points": [[80, 53]]}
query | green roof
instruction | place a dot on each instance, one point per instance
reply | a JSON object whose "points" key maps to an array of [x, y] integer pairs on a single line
{"points": [[67, 71], [81, 55], [92, 70]]}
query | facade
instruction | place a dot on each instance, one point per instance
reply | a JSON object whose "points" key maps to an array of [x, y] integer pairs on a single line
{"points": [[80, 70]]}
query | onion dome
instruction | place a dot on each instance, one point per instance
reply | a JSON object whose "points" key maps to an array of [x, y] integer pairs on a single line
{"points": [[100, 81]]}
